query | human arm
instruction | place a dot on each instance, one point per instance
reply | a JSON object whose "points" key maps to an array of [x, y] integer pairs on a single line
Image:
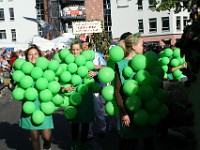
{"points": [[123, 114], [184, 65], [67, 89]]}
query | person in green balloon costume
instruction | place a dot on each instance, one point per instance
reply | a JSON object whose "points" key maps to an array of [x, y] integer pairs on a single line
{"points": [[85, 110], [129, 131], [44, 129]]}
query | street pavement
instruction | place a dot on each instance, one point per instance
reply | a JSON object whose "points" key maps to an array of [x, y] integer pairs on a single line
{"points": [[12, 137]]}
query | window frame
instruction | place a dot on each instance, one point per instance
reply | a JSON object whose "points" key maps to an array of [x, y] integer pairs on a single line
{"points": [[152, 22], [165, 20]]}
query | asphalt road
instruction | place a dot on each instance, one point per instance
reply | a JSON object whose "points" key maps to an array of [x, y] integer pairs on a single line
{"points": [[12, 137]]}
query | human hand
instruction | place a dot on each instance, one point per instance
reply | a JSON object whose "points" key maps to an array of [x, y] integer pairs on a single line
{"points": [[92, 74], [68, 89], [126, 120], [185, 65]]}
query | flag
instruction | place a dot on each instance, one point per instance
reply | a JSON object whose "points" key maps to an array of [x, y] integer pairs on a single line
{"points": [[44, 25]]}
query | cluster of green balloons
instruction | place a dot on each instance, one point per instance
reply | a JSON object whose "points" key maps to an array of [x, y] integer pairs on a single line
{"points": [[45, 79], [171, 58], [143, 88]]}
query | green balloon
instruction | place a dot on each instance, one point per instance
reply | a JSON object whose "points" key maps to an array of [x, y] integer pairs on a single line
{"points": [[18, 94], [27, 67], [49, 75], [80, 60], [157, 71], [53, 65], [152, 59], [108, 92], [75, 99], [165, 68], [168, 52], [130, 87], [17, 75], [45, 95], [163, 111], [72, 67], [96, 87], [133, 103], [47, 107], [127, 71], [76, 79], [161, 95], [154, 119], [26, 82], [57, 99], [31, 94], [164, 61], [87, 54], [70, 112], [82, 71], [111, 63], [69, 58], [41, 84], [139, 62], [145, 92], [59, 71], [89, 82], [82, 89], [181, 60], [111, 108], [106, 74], [151, 105], [28, 107], [141, 117], [38, 117], [155, 82], [18, 63], [174, 62], [116, 53], [90, 65], [63, 53], [64, 66], [42, 63], [142, 77], [177, 73], [65, 102], [56, 57], [65, 76], [177, 52], [36, 73], [54, 87]]}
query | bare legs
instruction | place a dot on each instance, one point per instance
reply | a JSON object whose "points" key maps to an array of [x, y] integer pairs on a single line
{"points": [[35, 138]]}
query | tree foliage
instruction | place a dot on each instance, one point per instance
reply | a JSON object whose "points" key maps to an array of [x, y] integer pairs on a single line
{"points": [[176, 5]]}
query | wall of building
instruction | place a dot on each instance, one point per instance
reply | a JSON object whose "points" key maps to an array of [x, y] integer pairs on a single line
{"points": [[125, 18], [94, 10], [25, 29]]}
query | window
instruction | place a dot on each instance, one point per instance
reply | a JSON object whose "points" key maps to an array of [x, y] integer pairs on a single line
{"points": [[152, 25], [151, 4], [185, 21], [12, 17], [13, 33], [165, 24], [140, 26], [2, 34], [140, 6], [178, 23], [2, 17]]}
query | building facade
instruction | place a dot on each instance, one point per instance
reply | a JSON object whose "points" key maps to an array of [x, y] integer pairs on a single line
{"points": [[117, 17]]}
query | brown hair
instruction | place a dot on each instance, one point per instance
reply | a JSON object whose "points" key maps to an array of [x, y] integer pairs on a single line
{"points": [[32, 46]]}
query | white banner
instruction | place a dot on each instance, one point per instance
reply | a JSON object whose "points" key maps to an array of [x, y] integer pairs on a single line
{"points": [[83, 27]]}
